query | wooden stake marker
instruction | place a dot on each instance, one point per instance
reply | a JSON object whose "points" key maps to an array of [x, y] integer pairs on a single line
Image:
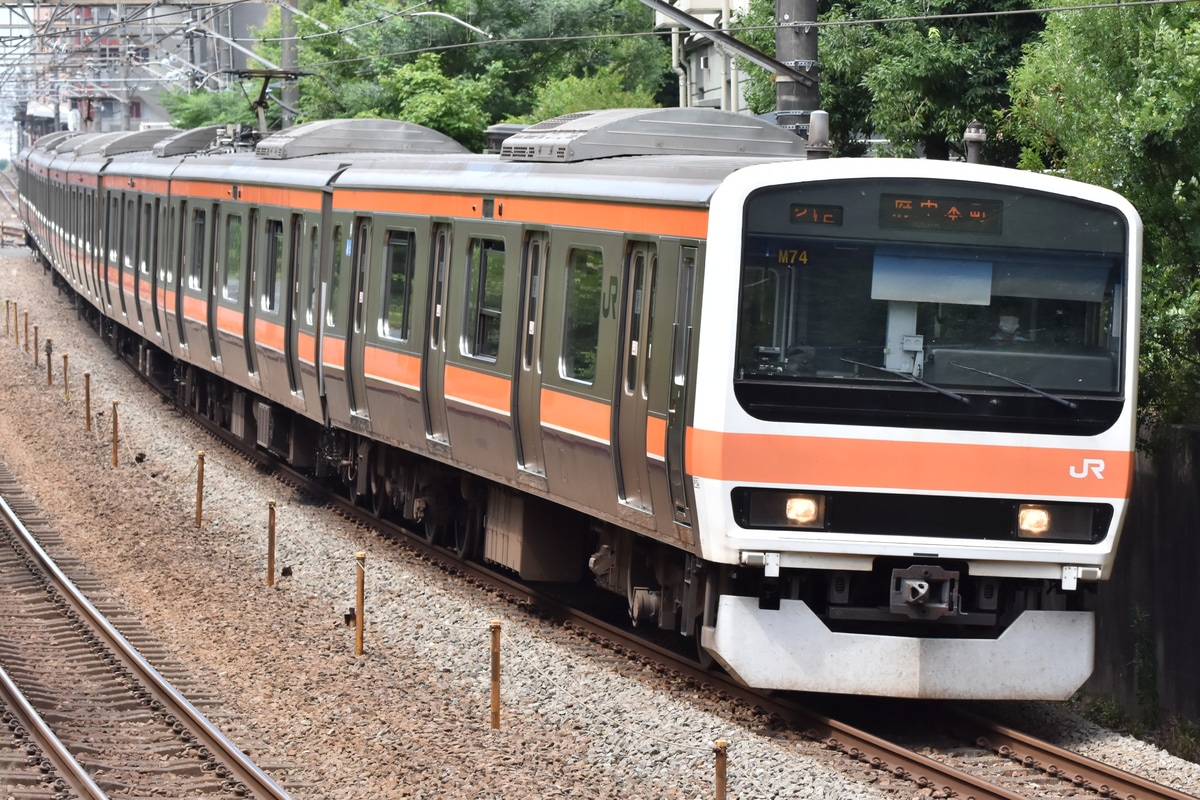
{"points": [[361, 558], [495, 628], [199, 488], [720, 748], [114, 442], [270, 543]]}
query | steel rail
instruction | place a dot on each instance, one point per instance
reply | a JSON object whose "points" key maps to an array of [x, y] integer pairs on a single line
{"points": [[1084, 772], [67, 767], [240, 766]]}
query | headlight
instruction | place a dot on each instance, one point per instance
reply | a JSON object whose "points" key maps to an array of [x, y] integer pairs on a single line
{"points": [[1059, 522], [774, 508]]}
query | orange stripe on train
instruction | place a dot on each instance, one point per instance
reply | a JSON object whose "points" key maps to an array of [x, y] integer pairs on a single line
{"points": [[909, 466], [402, 369], [627, 218], [478, 389], [577, 415]]}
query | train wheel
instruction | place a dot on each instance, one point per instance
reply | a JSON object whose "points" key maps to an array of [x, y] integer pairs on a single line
{"points": [[468, 532], [435, 532], [381, 499]]}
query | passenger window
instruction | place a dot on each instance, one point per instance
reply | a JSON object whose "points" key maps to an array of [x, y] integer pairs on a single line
{"points": [[485, 287], [314, 274], [231, 282], [335, 278], [295, 246], [398, 257], [269, 301], [144, 255], [196, 275], [582, 329]]}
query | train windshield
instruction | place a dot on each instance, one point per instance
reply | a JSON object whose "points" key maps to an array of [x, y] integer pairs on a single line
{"points": [[931, 305]]}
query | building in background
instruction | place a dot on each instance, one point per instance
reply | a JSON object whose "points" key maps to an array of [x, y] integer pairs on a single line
{"points": [[103, 67], [708, 75]]}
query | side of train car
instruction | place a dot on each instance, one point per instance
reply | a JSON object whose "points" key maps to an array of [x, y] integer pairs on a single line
{"points": [[766, 400]]}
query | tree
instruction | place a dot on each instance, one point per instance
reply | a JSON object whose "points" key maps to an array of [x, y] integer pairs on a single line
{"points": [[591, 93], [420, 93], [915, 82], [1112, 97], [534, 45], [195, 108]]}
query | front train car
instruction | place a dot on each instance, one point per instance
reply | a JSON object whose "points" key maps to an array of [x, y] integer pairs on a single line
{"points": [[912, 441]]}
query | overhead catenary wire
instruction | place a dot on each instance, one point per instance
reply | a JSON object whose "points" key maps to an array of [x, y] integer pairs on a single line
{"points": [[1047, 10]]}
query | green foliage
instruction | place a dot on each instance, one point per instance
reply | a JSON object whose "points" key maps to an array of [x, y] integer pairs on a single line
{"points": [[1145, 666], [591, 93], [421, 93], [534, 46], [914, 84], [1112, 97], [199, 107]]}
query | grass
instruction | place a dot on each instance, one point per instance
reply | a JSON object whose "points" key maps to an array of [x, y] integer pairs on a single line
{"points": [[1179, 737]]}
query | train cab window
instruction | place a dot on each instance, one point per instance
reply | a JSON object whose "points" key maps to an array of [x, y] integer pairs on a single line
{"points": [[196, 264], [273, 283], [398, 258], [581, 332], [231, 275], [485, 289]]}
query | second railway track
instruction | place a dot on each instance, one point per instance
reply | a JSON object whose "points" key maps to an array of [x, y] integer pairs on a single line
{"points": [[113, 726]]}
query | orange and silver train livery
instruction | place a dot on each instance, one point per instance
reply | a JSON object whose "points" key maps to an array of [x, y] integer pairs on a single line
{"points": [[852, 425]]}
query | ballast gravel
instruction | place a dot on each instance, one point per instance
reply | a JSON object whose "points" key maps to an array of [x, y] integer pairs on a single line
{"points": [[410, 717]]}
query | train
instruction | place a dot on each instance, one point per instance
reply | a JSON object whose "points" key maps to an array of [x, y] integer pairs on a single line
{"points": [[851, 426]]}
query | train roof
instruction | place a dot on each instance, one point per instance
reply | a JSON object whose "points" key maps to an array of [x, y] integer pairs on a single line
{"points": [[676, 156]]}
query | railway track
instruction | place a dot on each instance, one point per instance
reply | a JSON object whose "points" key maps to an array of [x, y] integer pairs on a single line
{"points": [[986, 760], [128, 732]]}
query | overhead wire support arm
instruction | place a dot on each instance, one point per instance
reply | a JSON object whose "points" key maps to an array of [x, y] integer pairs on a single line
{"points": [[720, 37]]}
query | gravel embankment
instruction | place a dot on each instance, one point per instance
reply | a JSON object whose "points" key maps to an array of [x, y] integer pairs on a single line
{"points": [[409, 718]]}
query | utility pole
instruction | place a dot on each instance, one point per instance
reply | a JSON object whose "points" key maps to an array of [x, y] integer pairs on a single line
{"points": [[796, 46], [290, 94]]}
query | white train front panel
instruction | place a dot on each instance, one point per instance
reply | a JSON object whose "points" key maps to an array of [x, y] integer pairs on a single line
{"points": [[917, 423]]}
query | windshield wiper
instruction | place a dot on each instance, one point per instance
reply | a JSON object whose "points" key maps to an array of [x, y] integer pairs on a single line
{"points": [[1060, 400], [908, 377]]}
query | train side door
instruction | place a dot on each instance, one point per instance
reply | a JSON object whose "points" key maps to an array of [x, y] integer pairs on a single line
{"points": [[155, 219], [681, 367], [292, 319], [527, 375], [212, 273], [250, 294], [632, 393], [356, 331], [433, 365]]}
